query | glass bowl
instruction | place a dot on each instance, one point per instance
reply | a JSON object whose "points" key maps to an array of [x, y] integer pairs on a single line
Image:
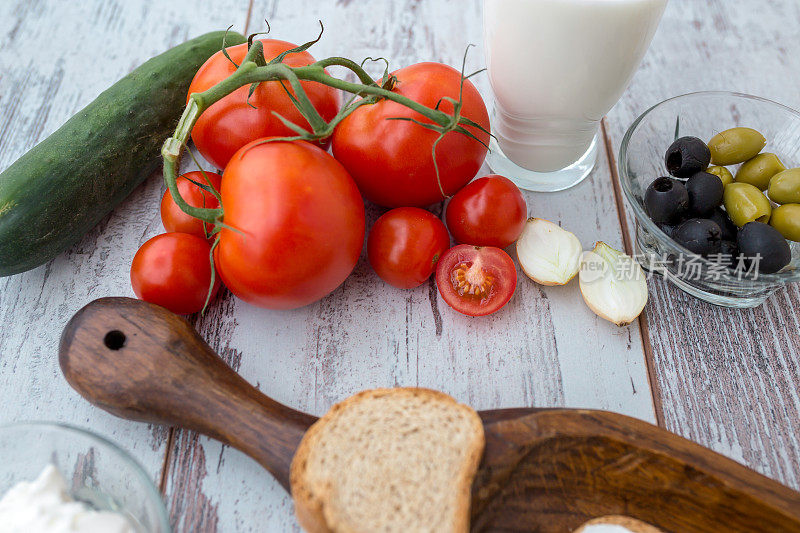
{"points": [[641, 160], [97, 471]]}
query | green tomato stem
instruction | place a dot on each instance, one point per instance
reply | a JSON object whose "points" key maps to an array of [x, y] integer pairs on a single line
{"points": [[357, 69], [253, 70]]}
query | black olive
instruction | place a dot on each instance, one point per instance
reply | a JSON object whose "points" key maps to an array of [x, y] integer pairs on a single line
{"points": [[699, 235], [761, 243], [666, 200], [705, 193], [728, 253], [687, 156], [669, 229], [722, 219]]}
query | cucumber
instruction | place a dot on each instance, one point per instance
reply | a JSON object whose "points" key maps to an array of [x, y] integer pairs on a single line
{"points": [[51, 196]]}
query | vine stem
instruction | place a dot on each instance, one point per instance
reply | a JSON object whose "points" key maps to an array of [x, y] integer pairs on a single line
{"points": [[254, 69]]}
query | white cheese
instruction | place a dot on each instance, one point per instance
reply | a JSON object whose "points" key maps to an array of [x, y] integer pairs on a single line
{"points": [[45, 506]]}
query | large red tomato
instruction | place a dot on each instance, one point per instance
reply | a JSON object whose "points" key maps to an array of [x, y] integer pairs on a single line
{"points": [[230, 123], [391, 160], [295, 224]]}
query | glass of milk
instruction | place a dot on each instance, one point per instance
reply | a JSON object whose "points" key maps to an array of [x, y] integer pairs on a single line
{"points": [[556, 68]]}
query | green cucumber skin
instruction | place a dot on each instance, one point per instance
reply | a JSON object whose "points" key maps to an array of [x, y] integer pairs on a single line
{"points": [[55, 193]]}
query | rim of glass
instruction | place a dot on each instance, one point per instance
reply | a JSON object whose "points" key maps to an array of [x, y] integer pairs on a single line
{"points": [[152, 492], [652, 227]]}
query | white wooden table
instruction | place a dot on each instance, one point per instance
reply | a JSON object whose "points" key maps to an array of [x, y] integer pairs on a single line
{"points": [[727, 379]]}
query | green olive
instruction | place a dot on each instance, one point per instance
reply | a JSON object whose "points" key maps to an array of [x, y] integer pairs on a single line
{"points": [[722, 173], [758, 170], [745, 203], [735, 145], [786, 219], [784, 187]]}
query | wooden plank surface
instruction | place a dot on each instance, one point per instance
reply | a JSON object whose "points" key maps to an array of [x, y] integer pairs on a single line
{"points": [[528, 355], [728, 378], [56, 57], [545, 348]]}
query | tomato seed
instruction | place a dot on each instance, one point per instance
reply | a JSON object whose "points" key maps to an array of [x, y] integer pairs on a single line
{"points": [[469, 279]]}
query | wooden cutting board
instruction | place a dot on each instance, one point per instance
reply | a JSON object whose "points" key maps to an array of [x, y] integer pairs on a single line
{"points": [[545, 470]]}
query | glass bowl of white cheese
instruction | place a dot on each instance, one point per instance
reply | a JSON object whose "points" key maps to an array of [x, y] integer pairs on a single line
{"points": [[59, 478]]}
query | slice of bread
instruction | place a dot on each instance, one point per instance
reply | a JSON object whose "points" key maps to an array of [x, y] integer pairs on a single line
{"points": [[616, 524], [388, 460]]}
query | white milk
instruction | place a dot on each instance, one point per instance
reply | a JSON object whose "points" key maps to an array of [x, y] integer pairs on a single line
{"points": [[556, 67]]}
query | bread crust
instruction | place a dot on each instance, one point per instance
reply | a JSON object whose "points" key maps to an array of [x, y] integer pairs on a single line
{"points": [[309, 507]]}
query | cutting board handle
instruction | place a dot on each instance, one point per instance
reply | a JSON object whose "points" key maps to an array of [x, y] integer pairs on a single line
{"points": [[141, 362]]}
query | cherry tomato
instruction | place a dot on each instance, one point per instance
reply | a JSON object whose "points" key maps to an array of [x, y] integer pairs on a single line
{"points": [[391, 160], [490, 211], [475, 280], [297, 224], [404, 246], [176, 220], [173, 270], [230, 123]]}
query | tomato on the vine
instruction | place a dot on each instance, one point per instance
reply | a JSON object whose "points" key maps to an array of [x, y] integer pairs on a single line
{"points": [[392, 161], [176, 220], [405, 244], [475, 280], [231, 123], [490, 211], [173, 270], [294, 224]]}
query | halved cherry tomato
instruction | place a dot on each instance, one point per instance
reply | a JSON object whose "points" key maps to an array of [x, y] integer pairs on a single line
{"points": [[490, 211], [173, 270], [404, 246], [176, 220], [231, 123], [294, 224], [475, 280], [391, 160]]}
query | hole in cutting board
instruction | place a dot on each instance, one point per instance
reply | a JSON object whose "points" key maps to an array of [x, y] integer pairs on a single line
{"points": [[114, 339]]}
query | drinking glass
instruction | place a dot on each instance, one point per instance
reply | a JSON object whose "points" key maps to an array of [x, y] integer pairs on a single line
{"points": [[556, 67]]}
